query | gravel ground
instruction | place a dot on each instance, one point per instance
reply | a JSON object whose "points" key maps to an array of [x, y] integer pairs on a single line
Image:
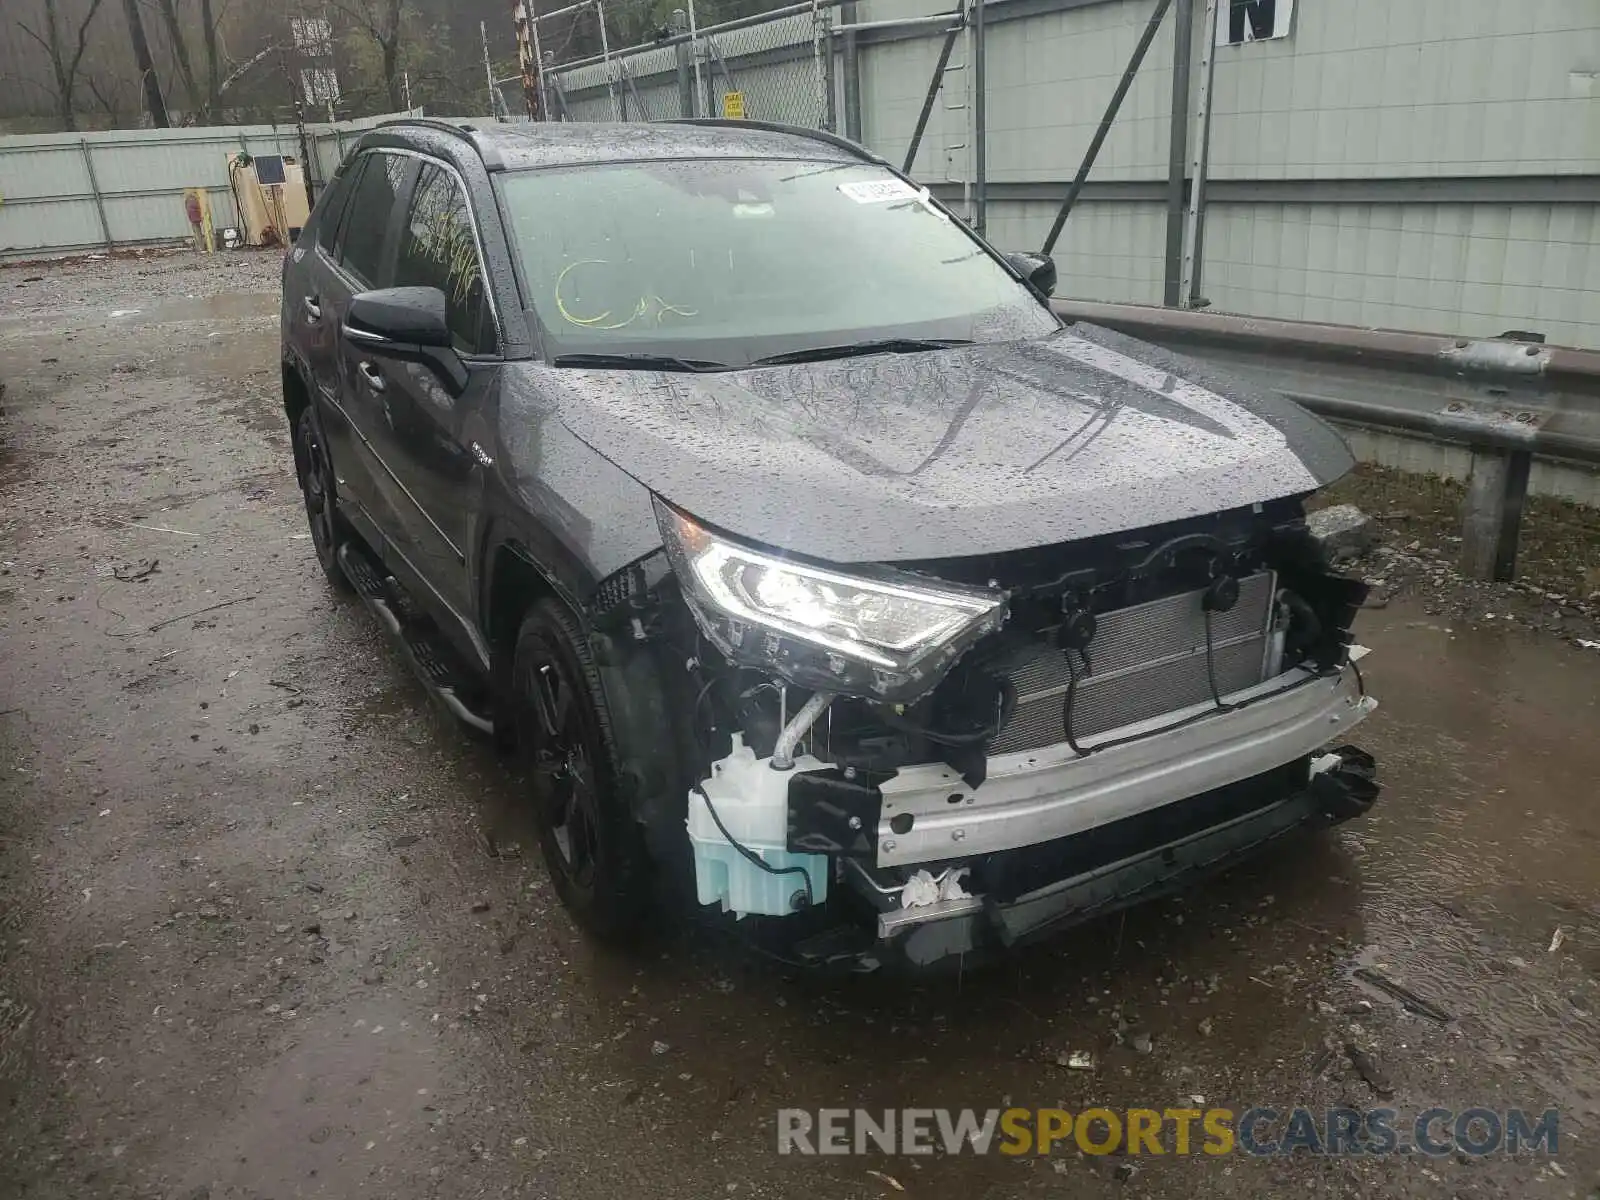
{"points": [[268, 930], [1419, 522]]}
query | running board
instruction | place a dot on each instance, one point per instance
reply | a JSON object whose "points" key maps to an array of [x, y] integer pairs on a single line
{"points": [[425, 653]]}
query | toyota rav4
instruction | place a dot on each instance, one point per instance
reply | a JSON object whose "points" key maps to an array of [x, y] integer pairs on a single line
{"points": [[819, 572]]}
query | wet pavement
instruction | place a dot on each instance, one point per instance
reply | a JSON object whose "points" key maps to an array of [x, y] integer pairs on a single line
{"points": [[270, 927]]}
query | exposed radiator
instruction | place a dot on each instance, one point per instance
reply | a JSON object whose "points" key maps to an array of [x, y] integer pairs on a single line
{"points": [[1145, 661]]}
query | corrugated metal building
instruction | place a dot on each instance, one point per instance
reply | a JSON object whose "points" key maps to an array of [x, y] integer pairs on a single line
{"points": [[1423, 164]]}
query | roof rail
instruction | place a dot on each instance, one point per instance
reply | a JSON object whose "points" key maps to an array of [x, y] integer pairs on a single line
{"points": [[468, 133], [816, 135]]}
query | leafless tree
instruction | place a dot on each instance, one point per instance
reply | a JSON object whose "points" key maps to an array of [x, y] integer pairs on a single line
{"points": [[154, 101], [381, 21], [64, 59], [204, 94], [208, 71]]}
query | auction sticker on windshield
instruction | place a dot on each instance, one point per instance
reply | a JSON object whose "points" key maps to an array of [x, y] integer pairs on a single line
{"points": [[878, 191]]}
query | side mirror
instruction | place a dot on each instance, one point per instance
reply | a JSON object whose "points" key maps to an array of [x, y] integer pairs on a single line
{"points": [[1038, 269], [401, 316]]}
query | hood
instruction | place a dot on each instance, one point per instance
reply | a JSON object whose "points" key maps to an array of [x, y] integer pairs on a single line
{"points": [[941, 454]]}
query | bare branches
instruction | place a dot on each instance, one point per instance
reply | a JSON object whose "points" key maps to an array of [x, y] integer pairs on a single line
{"points": [[208, 36], [63, 66], [243, 68], [8, 77], [378, 19], [33, 35], [83, 36], [381, 20], [107, 100], [180, 52]]}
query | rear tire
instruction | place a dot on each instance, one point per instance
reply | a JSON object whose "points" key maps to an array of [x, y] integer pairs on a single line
{"points": [[314, 465], [592, 844]]}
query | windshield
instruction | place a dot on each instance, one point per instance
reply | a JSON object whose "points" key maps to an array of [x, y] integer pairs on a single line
{"points": [[734, 260]]}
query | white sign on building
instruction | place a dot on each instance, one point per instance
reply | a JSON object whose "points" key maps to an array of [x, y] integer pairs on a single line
{"points": [[1243, 21]]}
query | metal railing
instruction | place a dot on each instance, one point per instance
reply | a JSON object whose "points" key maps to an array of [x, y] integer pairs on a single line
{"points": [[1507, 400], [788, 66], [775, 66]]}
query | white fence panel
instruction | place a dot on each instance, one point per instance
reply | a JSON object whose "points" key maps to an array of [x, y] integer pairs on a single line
{"points": [[69, 193]]}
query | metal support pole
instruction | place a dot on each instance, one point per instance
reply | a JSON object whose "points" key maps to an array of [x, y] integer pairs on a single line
{"points": [[1497, 491], [244, 149], [1194, 254], [934, 84], [560, 91], [830, 113], [851, 63], [1178, 149], [533, 92], [694, 58], [605, 53], [980, 137], [1099, 139], [818, 70], [305, 146], [94, 187], [892, 23], [709, 96], [488, 71], [680, 22]]}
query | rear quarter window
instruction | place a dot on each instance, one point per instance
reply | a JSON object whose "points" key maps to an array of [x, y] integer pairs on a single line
{"points": [[325, 221]]}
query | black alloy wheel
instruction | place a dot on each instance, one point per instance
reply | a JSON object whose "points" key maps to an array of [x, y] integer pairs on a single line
{"points": [[591, 843], [318, 487], [564, 775]]}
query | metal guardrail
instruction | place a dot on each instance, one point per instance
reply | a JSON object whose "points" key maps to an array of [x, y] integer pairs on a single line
{"points": [[1506, 399]]}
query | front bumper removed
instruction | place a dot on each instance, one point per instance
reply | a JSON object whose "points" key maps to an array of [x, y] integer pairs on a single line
{"points": [[1041, 795], [1340, 787], [1051, 837]]}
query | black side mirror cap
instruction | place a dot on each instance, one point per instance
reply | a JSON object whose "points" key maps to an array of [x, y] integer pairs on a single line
{"points": [[407, 316], [1038, 269]]}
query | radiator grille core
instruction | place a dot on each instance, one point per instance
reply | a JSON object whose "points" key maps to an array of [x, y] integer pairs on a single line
{"points": [[1145, 661]]}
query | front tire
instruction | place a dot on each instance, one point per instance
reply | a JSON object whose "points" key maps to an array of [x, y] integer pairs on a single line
{"points": [[591, 842], [314, 465]]}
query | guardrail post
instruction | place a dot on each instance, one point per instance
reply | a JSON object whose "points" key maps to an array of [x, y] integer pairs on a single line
{"points": [[94, 187], [1496, 494]]}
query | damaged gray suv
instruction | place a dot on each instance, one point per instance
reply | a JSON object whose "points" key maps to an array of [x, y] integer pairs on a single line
{"points": [[824, 579]]}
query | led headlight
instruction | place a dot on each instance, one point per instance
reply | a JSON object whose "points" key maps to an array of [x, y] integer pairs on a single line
{"points": [[878, 633]]}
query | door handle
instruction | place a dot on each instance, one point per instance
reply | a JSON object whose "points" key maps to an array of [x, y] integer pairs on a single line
{"points": [[313, 310], [373, 376]]}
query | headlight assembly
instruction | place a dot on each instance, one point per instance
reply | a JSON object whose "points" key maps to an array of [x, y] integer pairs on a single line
{"points": [[879, 633]]}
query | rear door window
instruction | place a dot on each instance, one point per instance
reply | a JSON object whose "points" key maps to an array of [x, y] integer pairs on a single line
{"points": [[371, 212], [439, 249], [333, 204]]}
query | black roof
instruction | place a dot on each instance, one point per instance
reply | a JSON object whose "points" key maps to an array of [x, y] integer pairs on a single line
{"points": [[512, 146]]}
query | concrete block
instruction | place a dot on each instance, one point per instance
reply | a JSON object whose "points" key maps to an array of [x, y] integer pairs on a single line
{"points": [[1344, 531]]}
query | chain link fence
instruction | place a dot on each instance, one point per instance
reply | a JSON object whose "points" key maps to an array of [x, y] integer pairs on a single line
{"points": [[774, 67]]}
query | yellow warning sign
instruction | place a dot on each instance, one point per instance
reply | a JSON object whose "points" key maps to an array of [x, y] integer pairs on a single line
{"points": [[733, 105]]}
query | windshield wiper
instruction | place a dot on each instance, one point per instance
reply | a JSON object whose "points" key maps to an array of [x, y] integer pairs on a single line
{"points": [[639, 362], [855, 349]]}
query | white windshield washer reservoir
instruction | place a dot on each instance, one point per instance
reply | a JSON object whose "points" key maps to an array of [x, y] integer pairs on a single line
{"points": [[752, 800]]}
